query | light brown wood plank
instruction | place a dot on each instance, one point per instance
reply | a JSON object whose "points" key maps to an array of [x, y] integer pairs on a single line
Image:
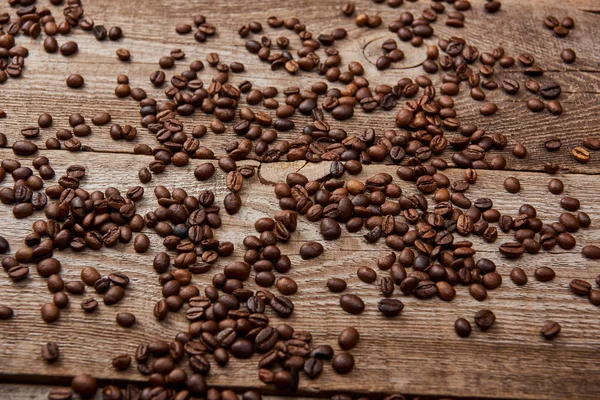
{"points": [[419, 350]]}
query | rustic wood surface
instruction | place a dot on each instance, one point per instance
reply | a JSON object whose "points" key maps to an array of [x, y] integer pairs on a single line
{"points": [[415, 353]]}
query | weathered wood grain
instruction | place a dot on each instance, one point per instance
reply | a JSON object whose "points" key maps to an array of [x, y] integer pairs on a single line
{"points": [[40, 392], [418, 350], [415, 353]]}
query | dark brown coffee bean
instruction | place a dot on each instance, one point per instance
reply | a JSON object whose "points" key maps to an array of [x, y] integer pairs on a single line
{"points": [[141, 243], [348, 338], [462, 327], [84, 385], [550, 330], [75, 81], [591, 251], [544, 274], [390, 307], [342, 362], [50, 312], [352, 304], [125, 319], [336, 285], [484, 319], [518, 276], [50, 352]]}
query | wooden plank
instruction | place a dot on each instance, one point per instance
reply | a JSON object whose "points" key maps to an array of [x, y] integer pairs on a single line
{"points": [[418, 350], [42, 88], [40, 392]]}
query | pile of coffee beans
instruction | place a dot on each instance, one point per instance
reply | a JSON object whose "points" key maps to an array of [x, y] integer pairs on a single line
{"points": [[430, 236]]}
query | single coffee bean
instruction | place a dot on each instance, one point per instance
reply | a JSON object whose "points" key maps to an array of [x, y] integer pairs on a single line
{"points": [[141, 243], [311, 250], [512, 185], [84, 385], [569, 203], [352, 304], [121, 362], [390, 307], [348, 338], [367, 274], [484, 319], [550, 330], [50, 312], [336, 285], [580, 287], [581, 154], [75, 81], [518, 276], [6, 312], [125, 319], [591, 251], [555, 186], [342, 362], [544, 274], [462, 327]]}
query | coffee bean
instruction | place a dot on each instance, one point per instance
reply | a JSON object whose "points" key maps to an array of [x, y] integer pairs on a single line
{"points": [[555, 186], [550, 330], [390, 307], [512, 185], [75, 81], [581, 154], [125, 319], [336, 285], [535, 105], [348, 338], [68, 49], [580, 287], [342, 362], [50, 312], [569, 203], [488, 109], [6, 312], [591, 251], [511, 250], [544, 274], [89, 275], [462, 327], [141, 243], [366, 274], [484, 319], [89, 305], [518, 276], [568, 56], [311, 250], [352, 304], [60, 394], [84, 385]]}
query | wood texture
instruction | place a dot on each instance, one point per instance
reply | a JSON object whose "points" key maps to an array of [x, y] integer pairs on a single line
{"points": [[415, 353]]}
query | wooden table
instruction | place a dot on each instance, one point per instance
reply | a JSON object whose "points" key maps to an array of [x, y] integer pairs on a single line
{"points": [[415, 353]]}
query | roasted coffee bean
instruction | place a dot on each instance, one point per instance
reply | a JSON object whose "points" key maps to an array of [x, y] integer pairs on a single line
{"points": [[390, 307], [544, 274], [84, 385], [550, 330], [311, 250], [50, 352], [462, 327], [591, 251], [352, 304], [518, 276], [342, 362], [125, 319], [75, 81], [348, 338], [6, 312], [484, 319]]}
